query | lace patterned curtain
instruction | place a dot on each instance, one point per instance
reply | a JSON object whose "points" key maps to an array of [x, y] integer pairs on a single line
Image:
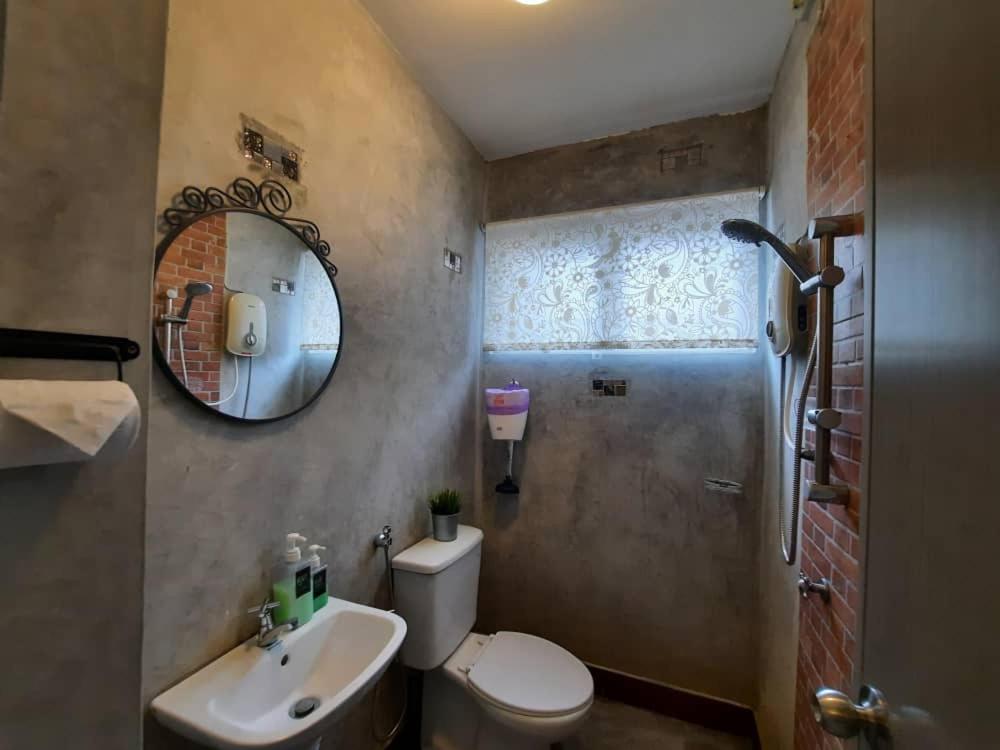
{"points": [[651, 276]]}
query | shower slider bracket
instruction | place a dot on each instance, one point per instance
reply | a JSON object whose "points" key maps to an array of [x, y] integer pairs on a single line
{"points": [[828, 494], [828, 419], [828, 278]]}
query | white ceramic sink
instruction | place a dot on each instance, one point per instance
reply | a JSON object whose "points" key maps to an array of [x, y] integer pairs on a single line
{"points": [[243, 699]]}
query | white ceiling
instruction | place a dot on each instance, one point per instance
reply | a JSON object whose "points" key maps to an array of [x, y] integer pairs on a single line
{"points": [[518, 78]]}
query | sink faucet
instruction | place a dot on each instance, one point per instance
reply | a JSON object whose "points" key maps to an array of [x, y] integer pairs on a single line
{"points": [[269, 636]]}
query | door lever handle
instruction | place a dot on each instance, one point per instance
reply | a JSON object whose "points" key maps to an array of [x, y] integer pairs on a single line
{"points": [[841, 717]]}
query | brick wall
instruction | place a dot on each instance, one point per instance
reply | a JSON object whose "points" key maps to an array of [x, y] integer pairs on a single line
{"points": [[836, 185], [197, 254]]}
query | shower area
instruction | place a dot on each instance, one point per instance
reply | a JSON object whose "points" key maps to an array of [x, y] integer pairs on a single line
{"points": [[677, 504]]}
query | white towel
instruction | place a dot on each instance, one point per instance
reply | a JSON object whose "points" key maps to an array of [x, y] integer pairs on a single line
{"points": [[53, 421]]}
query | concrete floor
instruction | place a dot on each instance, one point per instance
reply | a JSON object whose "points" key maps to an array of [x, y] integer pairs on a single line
{"points": [[614, 726]]}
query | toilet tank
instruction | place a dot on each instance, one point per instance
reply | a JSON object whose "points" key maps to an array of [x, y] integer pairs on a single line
{"points": [[437, 584]]}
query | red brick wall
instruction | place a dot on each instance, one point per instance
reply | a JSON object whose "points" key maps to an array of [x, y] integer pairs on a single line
{"points": [[836, 185], [197, 254]]}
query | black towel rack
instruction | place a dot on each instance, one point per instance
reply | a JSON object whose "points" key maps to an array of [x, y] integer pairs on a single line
{"points": [[22, 342]]}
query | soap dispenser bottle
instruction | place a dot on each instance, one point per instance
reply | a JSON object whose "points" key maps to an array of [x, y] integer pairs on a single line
{"points": [[318, 569], [293, 584]]}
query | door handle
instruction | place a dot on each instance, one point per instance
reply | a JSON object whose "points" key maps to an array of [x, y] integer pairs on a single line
{"points": [[840, 716]]}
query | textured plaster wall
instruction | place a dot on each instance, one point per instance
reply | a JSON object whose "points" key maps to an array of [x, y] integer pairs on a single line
{"points": [[786, 215], [614, 549], [388, 179], [628, 168], [79, 120]]}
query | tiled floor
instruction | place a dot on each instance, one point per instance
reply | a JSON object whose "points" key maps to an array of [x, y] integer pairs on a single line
{"points": [[615, 726]]}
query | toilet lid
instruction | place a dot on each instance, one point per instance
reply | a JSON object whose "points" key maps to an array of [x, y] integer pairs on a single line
{"points": [[532, 676]]}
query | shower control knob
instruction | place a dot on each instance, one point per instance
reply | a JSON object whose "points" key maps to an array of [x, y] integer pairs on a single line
{"points": [[839, 716], [808, 586]]}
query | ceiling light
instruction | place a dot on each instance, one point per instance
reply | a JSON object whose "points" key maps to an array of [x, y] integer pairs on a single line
{"points": [[532, 2]]}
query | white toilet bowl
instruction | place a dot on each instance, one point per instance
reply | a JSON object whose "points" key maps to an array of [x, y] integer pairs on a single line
{"points": [[509, 691]]}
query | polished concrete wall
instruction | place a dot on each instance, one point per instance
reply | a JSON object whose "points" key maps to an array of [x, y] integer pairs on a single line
{"points": [[629, 168], [389, 180], [614, 549], [786, 215], [79, 119]]}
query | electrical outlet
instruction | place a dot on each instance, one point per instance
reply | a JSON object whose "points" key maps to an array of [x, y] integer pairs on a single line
{"points": [[605, 387], [452, 261], [270, 153]]}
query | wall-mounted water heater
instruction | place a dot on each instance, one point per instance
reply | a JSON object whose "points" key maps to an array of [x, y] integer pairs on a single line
{"points": [[246, 333], [507, 412]]}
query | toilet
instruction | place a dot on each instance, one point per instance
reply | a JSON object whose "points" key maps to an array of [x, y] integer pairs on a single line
{"points": [[506, 691]]}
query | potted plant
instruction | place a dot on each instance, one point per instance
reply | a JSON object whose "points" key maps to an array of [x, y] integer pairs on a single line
{"points": [[444, 506]]}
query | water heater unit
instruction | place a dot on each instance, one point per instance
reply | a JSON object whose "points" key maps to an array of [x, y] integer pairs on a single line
{"points": [[246, 330]]}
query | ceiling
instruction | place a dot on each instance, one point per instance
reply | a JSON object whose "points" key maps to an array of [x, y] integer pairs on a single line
{"points": [[518, 78]]}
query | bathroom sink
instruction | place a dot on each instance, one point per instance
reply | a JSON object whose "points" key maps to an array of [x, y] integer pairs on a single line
{"points": [[246, 698]]}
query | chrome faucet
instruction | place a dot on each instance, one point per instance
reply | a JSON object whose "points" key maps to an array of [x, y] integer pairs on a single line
{"points": [[269, 635]]}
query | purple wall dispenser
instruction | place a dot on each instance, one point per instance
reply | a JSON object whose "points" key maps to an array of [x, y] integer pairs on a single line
{"points": [[507, 412]]}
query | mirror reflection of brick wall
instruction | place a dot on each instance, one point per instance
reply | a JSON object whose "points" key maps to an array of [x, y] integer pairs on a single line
{"points": [[198, 254]]}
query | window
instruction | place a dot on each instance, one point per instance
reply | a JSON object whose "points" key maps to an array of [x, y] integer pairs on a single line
{"points": [[651, 276]]}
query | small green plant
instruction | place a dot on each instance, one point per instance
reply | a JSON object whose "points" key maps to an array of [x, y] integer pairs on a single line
{"points": [[445, 503]]}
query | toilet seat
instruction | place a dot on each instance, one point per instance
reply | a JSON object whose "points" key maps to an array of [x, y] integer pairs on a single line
{"points": [[530, 676]]}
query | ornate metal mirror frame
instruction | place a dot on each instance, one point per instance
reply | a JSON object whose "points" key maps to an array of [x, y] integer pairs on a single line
{"points": [[269, 200]]}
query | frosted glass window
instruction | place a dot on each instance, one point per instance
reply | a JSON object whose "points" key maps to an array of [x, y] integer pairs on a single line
{"points": [[651, 276]]}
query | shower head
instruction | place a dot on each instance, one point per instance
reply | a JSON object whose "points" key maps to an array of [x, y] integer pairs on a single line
{"points": [[192, 290], [741, 230]]}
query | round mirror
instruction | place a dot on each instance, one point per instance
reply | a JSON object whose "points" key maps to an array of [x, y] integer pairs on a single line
{"points": [[246, 315]]}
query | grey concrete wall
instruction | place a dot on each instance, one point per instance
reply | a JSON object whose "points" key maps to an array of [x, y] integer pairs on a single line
{"points": [[623, 169], [79, 120], [388, 179], [786, 215], [613, 548], [257, 251]]}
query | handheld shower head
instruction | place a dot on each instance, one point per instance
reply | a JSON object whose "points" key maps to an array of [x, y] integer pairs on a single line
{"points": [[192, 290], [750, 232]]}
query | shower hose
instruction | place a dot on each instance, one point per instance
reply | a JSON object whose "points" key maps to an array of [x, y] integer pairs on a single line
{"points": [[383, 740], [790, 534]]}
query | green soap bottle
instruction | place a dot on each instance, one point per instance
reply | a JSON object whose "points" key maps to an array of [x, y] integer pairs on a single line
{"points": [[292, 585], [320, 593]]}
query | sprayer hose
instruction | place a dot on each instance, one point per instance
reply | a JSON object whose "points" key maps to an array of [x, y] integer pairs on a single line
{"points": [[383, 740], [790, 536]]}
